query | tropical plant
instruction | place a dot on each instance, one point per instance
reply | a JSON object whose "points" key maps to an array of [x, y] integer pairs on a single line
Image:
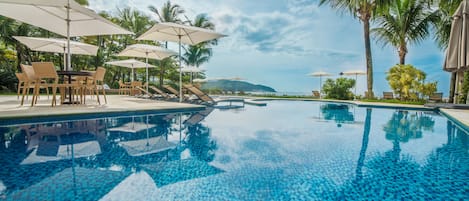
{"points": [[167, 13], [407, 81], [404, 22], [365, 11], [339, 89]]}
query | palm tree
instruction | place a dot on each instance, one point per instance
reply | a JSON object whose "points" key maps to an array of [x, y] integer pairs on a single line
{"points": [[168, 13], [365, 11], [404, 22], [196, 55]]}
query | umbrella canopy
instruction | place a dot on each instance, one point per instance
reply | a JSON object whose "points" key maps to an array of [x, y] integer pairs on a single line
{"points": [[130, 63], [146, 51], [356, 73], [51, 15], [182, 34], [320, 74], [146, 146], [57, 45], [190, 35], [64, 17], [200, 80], [457, 56], [191, 70], [75, 183]]}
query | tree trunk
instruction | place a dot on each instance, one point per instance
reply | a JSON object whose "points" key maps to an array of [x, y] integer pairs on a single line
{"points": [[369, 62], [402, 53], [366, 134], [161, 75]]}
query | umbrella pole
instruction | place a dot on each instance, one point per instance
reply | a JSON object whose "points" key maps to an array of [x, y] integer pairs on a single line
{"points": [[320, 87], [132, 76], [68, 36], [356, 77], [146, 65], [180, 71]]}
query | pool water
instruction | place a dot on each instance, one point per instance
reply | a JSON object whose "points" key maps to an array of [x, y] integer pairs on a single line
{"points": [[288, 150]]}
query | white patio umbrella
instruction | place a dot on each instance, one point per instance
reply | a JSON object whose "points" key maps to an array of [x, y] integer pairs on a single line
{"points": [[190, 35], [191, 70], [146, 51], [64, 17], [320, 74], [132, 64], [457, 54], [57, 45], [356, 73]]}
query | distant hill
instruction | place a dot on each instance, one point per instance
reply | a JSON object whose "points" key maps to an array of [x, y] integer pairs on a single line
{"points": [[232, 85]]}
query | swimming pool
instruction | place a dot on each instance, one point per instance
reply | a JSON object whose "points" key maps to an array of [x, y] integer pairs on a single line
{"points": [[289, 150]]}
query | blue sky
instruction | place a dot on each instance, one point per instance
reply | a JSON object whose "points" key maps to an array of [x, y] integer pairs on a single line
{"points": [[278, 44]]}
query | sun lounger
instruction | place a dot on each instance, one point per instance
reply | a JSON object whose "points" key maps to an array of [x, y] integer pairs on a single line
{"points": [[199, 93], [436, 97], [316, 94], [162, 93], [144, 91], [197, 117], [388, 95], [175, 92]]}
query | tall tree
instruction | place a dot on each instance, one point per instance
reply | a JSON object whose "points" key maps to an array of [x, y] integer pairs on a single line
{"points": [[167, 13], [403, 23], [365, 11], [196, 55]]}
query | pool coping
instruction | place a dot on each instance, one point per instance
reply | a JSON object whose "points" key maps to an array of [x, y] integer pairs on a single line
{"points": [[456, 115]]}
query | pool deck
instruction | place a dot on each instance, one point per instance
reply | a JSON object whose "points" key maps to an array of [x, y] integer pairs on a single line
{"points": [[10, 106]]}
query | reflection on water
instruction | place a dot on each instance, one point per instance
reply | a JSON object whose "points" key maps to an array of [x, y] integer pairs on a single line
{"points": [[85, 160], [259, 153], [338, 112]]}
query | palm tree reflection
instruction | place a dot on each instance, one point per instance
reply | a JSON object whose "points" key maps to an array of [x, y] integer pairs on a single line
{"points": [[198, 137]]}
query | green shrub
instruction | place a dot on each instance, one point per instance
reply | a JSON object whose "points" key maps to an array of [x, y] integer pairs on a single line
{"points": [[339, 88], [408, 82]]}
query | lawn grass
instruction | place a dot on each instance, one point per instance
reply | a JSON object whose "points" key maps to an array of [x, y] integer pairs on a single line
{"points": [[419, 102]]}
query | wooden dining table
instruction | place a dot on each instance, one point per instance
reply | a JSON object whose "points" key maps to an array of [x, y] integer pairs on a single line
{"points": [[69, 74]]}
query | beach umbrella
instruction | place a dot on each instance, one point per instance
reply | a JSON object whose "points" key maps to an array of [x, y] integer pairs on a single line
{"points": [[146, 51], [132, 64], [191, 70], [57, 45], [190, 35], [356, 73], [320, 74], [457, 55], [64, 17]]}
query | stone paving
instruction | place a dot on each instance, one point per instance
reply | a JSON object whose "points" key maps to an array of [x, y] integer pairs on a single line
{"points": [[10, 106]]}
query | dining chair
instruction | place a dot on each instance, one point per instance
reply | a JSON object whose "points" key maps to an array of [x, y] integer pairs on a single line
{"points": [[46, 71], [96, 82]]}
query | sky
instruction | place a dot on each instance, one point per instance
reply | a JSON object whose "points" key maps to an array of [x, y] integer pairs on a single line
{"points": [[278, 43]]}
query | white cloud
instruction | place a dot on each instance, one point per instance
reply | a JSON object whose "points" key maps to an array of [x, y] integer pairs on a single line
{"points": [[277, 44]]}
